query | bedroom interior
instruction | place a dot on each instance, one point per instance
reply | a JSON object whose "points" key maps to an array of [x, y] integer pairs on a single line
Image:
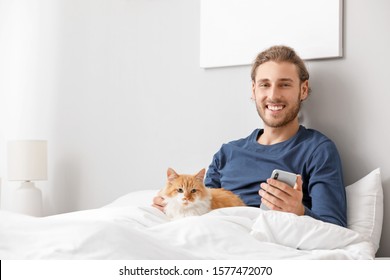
{"points": [[116, 89]]}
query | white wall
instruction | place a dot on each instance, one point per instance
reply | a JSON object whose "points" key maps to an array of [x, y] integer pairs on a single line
{"points": [[116, 89]]}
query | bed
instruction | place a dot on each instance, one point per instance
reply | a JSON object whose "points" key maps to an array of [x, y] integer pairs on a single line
{"points": [[129, 228]]}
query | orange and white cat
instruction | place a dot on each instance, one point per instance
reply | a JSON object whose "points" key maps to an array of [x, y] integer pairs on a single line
{"points": [[186, 195]]}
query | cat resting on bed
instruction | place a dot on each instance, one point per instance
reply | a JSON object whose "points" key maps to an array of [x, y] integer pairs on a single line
{"points": [[186, 195]]}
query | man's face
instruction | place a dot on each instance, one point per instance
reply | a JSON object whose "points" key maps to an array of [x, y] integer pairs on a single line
{"points": [[278, 93]]}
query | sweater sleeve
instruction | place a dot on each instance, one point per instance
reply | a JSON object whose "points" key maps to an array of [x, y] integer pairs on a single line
{"points": [[326, 187], [213, 177]]}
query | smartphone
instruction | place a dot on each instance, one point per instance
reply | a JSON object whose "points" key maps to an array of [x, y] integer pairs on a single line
{"points": [[283, 176]]}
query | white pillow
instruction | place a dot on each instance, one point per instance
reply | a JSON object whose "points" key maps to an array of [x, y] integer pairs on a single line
{"points": [[365, 206], [136, 198]]}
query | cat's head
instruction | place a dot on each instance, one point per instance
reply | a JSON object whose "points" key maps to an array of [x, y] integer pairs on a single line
{"points": [[186, 189]]}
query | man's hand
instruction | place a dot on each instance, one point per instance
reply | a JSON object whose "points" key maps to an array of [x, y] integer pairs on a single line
{"points": [[277, 195], [159, 203]]}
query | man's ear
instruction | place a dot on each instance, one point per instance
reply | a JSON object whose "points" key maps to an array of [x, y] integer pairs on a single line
{"points": [[304, 90], [253, 96]]}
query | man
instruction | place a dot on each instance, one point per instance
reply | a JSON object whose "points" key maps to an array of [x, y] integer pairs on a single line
{"points": [[280, 83]]}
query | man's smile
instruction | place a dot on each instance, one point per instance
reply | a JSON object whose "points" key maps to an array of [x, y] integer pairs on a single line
{"points": [[275, 107]]}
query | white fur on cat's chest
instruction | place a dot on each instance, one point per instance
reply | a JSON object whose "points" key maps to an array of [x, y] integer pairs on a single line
{"points": [[175, 208]]}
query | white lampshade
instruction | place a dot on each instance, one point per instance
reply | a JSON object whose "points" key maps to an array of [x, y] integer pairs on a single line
{"points": [[27, 160]]}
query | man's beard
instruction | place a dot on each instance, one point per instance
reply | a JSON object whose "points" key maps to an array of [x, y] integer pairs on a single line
{"points": [[277, 123]]}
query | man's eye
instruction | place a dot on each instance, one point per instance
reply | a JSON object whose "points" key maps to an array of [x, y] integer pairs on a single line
{"points": [[193, 191], [286, 85], [180, 190], [263, 85]]}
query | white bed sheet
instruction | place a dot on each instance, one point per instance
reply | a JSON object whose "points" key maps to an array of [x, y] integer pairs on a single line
{"points": [[130, 228]]}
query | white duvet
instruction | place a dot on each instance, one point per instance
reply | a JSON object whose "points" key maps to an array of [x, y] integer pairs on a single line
{"points": [[130, 228]]}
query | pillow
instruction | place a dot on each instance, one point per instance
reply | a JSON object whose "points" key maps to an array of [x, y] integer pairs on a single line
{"points": [[365, 206], [136, 198]]}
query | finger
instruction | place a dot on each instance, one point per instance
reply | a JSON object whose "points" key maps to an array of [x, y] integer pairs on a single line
{"points": [[264, 194], [279, 190], [270, 198], [267, 191], [158, 207], [279, 185], [271, 204], [158, 202]]}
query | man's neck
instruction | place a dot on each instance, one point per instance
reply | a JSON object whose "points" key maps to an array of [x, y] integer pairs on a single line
{"points": [[273, 135]]}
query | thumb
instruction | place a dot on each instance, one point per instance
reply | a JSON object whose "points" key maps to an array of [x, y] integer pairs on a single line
{"points": [[298, 183]]}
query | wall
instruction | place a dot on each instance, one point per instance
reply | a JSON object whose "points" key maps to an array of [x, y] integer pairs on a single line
{"points": [[116, 89]]}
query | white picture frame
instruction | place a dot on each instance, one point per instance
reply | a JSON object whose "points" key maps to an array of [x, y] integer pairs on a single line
{"points": [[232, 32]]}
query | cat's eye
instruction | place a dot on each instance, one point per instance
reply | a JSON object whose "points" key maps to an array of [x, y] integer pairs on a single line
{"points": [[193, 191], [180, 190]]}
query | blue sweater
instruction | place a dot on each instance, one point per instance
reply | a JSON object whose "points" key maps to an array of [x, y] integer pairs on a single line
{"points": [[241, 165]]}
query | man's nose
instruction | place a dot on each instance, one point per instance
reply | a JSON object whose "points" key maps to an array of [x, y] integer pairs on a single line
{"points": [[274, 93]]}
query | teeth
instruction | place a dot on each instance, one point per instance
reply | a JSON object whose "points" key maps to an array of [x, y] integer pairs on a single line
{"points": [[275, 108]]}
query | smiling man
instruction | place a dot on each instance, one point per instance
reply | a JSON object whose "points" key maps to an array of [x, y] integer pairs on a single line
{"points": [[280, 83]]}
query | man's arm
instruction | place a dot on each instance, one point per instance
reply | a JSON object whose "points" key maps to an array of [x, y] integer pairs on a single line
{"points": [[213, 177], [325, 185]]}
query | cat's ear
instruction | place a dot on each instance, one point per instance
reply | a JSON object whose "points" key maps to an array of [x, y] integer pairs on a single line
{"points": [[200, 175], [171, 174]]}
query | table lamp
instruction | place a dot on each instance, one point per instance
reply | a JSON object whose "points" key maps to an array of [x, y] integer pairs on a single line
{"points": [[27, 162]]}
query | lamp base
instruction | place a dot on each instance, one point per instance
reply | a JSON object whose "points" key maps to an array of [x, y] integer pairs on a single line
{"points": [[28, 199]]}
